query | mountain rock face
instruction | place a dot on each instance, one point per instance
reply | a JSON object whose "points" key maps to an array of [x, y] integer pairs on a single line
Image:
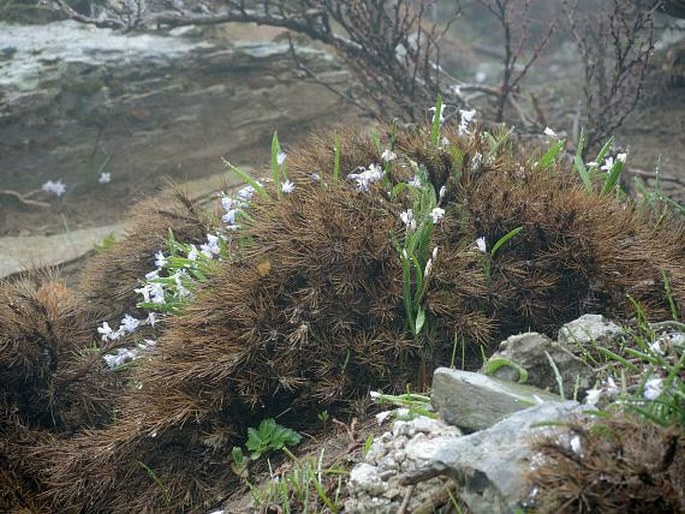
{"points": [[75, 100]]}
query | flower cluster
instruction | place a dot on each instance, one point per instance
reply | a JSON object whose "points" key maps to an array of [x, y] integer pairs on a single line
{"points": [[57, 187], [234, 205], [367, 176]]}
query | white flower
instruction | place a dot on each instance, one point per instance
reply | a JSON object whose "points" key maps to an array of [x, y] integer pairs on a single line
{"points": [[152, 292], [435, 253], [415, 182], [375, 395], [622, 157], [316, 177], [105, 330], [105, 177], [481, 245], [611, 387], [381, 417], [655, 347], [151, 319], [129, 324], [160, 260], [653, 388], [192, 253], [245, 194], [465, 119], [608, 164], [211, 247], [428, 268], [576, 446], [287, 186], [441, 194], [388, 155], [442, 110], [367, 177], [227, 203], [229, 217], [407, 218], [437, 213], [58, 188], [593, 396], [549, 132], [152, 275], [122, 356], [280, 157]]}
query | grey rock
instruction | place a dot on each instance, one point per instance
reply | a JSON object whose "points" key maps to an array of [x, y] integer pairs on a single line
{"points": [[490, 466], [472, 401], [532, 351], [374, 485], [584, 334]]}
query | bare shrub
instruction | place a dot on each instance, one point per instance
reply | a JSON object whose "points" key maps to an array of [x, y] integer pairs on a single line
{"points": [[615, 40]]}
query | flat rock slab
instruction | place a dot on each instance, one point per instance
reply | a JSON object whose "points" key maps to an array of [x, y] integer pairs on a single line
{"points": [[472, 401], [20, 253]]}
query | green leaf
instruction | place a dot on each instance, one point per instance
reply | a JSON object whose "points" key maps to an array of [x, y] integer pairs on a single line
{"points": [[502, 240], [275, 168], [336, 157], [435, 128], [420, 320], [579, 165], [548, 158], [493, 364], [245, 178]]}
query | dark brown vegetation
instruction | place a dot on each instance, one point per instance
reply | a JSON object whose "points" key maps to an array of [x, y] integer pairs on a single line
{"points": [[310, 315], [624, 464]]}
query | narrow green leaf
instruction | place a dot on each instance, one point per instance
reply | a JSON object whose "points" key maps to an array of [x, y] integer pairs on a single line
{"points": [[420, 320], [579, 165], [548, 158], [336, 157], [245, 178], [435, 128], [502, 240]]}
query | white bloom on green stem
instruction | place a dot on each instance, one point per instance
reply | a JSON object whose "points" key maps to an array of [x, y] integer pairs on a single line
{"points": [[280, 158], [481, 245], [608, 164], [435, 253], [388, 155], [287, 186], [428, 268], [192, 253], [106, 331], [211, 247], [160, 260], [441, 194], [437, 214], [407, 218], [549, 132], [622, 157], [366, 177], [105, 177], [655, 347], [653, 388], [129, 324], [442, 110]]}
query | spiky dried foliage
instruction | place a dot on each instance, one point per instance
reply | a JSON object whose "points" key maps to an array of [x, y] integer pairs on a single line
{"points": [[311, 314], [51, 379], [625, 464], [49, 374], [110, 277]]}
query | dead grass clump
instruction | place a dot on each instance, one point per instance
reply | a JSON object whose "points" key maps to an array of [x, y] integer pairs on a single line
{"points": [[622, 465], [310, 314], [51, 376], [110, 277]]}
